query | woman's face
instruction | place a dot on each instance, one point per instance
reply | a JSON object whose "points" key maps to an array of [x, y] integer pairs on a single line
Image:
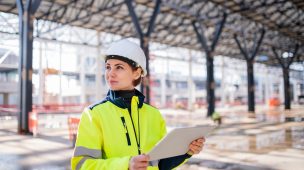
{"points": [[119, 75]]}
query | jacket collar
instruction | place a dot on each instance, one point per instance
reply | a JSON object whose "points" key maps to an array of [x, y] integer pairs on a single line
{"points": [[119, 101]]}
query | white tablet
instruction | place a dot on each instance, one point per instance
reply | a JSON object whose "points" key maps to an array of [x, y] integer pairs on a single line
{"points": [[177, 141]]}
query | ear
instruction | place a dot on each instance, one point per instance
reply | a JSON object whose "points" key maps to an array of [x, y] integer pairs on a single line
{"points": [[137, 73]]}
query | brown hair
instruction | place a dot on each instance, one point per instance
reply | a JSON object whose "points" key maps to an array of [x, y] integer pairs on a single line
{"points": [[137, 81]]}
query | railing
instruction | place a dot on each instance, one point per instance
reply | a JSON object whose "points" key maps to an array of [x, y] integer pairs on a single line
{"points": [[8, 87], [44, 109]]}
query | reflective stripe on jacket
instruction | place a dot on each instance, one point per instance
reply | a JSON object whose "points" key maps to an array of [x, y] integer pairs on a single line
{"points": [[102, 142]]}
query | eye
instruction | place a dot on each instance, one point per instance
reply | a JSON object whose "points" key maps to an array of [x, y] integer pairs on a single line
{"points": [[108, 68], [119, 67]]}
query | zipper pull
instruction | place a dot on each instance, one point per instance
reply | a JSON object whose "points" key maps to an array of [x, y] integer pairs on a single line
{"points": [[124, 124], [126, 131]]}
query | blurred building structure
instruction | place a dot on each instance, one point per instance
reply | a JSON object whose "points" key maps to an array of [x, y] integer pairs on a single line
{"points": [[267, 32], [66, 71]]}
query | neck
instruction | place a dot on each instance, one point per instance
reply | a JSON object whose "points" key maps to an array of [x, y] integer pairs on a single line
{"points": [[124, 93]]}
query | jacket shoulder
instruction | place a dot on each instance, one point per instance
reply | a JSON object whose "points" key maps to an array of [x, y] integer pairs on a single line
{"points": [[92, 106], [150, 107]]}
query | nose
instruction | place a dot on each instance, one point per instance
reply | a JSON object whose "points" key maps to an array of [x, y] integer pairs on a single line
{"points": [[111, 72]]}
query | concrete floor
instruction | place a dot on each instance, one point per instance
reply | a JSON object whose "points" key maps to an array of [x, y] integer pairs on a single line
{"points": [[270, 139]]}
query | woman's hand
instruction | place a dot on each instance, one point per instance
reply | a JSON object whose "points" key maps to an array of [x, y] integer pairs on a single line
{"points": [[139, 162], [196, 146]]}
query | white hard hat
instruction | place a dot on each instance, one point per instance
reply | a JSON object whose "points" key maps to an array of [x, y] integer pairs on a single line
{"points": [[130, 50]]}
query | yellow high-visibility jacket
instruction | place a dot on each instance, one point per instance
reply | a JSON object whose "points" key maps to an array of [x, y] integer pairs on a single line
{"points": [[107, 138]]}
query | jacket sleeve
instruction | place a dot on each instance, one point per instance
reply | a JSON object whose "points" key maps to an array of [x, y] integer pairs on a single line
{"points": [[88, 147], [173, 162]]}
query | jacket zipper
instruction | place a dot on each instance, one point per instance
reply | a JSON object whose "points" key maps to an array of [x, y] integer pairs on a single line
{"points": [[126, 130]]}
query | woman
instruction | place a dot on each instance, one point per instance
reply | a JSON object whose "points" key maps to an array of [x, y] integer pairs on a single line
{"points": [[117, 132]]}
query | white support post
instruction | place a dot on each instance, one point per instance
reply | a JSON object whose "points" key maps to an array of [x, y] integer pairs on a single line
{"points": [[60, 100], [190, 84], [223, 83], [41, 76], [267, 86], [82, 76], [163, 90], [98, 74]]}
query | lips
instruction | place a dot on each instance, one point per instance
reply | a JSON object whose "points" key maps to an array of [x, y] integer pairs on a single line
{"points": [[113, 82]]}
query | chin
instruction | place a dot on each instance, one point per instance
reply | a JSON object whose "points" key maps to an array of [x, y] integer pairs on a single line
{"points": [[114, 89]]}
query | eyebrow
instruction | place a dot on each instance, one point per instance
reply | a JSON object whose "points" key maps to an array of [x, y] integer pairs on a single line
{"points": [[119, 64]]}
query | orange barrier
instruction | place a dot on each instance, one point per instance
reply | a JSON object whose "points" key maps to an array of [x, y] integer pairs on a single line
{"points": [[33, 122], [73, 127], [274, 102]]}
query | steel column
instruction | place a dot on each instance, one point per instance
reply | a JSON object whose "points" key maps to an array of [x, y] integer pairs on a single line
{"points": [[144, 41], [251, 85], [285, 63], [145, 86], [209, 59], [286, 88], [26, 16], [249, 57], [20, 66], [99, 69]]}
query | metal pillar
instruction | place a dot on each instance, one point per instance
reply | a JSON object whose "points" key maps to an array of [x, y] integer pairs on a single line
{"points": [[41, 77], [285, 63], [250, 61], [190, 84], [26, 16], [6, 98], [209, 57], [145, 87], [144, 41], [163, 95], [82, 78], [251, 85], [223, 83], [295, 90], [286, 88], [267, 85], [60, 97], [99, 69]]}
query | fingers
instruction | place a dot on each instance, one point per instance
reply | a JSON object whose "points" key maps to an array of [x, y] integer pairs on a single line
{"points": [[141, 158], [195, 149], [202, 140], [198, 142], [196, 146], [139, 162]]}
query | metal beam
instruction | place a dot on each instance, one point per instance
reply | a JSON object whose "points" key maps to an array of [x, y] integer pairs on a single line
{"points": [[250, 85], [153, 18], [243, 50], [134, 18], [209, 62], [186, 13], [271, 25], [209, 59], [257, 43], [20, 66], [218, 32], [54, 11], [144, 41], [11, 8], [84, 17], [26, 15], [285, 64], [249, 57]]}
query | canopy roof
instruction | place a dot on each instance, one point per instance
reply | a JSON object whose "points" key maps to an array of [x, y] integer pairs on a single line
{"points": [[283, 21]]}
